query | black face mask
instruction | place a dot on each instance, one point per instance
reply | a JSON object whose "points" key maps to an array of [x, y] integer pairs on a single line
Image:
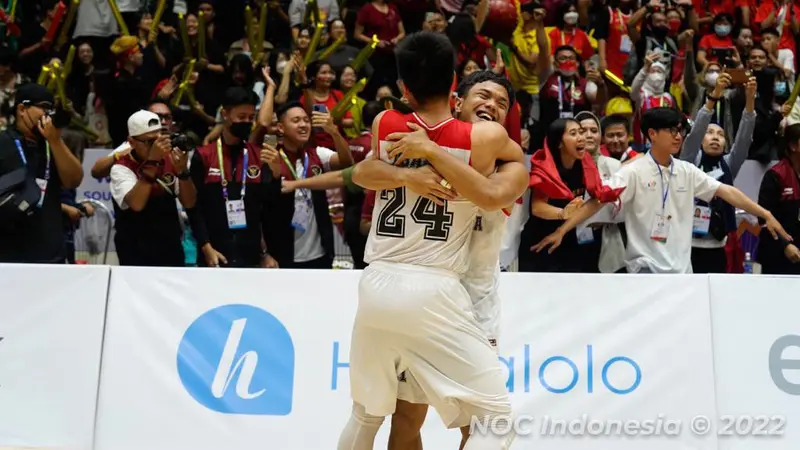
{"points": [[241, 130], [660, 32]]}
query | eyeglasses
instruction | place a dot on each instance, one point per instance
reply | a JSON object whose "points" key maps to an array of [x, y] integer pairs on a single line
{"points": [[167, 117], [675, 131]]}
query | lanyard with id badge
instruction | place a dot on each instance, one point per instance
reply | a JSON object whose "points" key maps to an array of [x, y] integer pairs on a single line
{"points": [[625, 43], [233, 208], [661, 223], [702, 214], [302, 197], [42, 183]]}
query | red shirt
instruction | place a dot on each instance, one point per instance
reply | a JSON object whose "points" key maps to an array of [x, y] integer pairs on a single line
{"points": [[577, 39], [514, 124], [475, 51], [710, 41], [320, 137], [787, 37], [615, 57], [385, 26]]}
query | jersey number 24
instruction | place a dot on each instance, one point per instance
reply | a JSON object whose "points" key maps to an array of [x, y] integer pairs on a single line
{"points": [[437, 219]]}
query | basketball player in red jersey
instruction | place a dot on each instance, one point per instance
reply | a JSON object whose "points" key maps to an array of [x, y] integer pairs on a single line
{"points": [[414, 316]]}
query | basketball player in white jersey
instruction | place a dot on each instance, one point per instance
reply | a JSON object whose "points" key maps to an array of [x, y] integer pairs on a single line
{"points": [[414, 315], [482, 95]]}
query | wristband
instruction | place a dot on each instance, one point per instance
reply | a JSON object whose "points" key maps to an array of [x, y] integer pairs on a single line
{"points": [[347, 177], [184, 175], [716, 99]]}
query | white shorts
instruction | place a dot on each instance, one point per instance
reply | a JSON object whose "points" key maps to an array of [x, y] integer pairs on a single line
{"points": [[419, 320]]}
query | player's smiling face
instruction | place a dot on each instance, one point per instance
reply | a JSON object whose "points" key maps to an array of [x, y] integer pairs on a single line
{"points": [[486, 101]]}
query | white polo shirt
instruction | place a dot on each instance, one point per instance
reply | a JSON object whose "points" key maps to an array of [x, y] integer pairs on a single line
{"points": [[642, 199]]}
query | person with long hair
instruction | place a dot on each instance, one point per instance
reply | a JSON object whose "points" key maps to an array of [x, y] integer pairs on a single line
{"points": [[347, 79], [319, 91], [561, 174], [780, 195]]}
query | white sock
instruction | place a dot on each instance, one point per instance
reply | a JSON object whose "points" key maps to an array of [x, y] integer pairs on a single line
{"points": [[490, 440], [360, 431]]}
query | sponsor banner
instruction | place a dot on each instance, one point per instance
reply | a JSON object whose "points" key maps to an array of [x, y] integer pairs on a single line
{"points": [[209, 359], [95, 188], [757, 360], [51, 332]]}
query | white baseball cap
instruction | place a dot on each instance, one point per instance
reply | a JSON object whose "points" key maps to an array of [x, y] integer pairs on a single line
{"points": [[143, 122]]}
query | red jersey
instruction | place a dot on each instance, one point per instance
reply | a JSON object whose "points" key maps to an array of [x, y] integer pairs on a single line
{"points": [[618, 44], [321, 138], [781, 12], [577, 39]]}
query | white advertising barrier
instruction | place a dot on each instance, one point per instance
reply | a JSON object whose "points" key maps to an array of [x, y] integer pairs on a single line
{"points": [[608, 362], [51, 333], [208, 359], [756, 326]]}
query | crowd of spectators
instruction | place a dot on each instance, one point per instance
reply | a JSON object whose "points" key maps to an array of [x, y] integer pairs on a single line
{"points": [[220, 113]]}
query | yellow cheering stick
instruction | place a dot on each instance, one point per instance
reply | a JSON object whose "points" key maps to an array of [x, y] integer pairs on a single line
{"points": [[258, 52], [795, 93], [13, 9], [162, 5], [348, 100], [123, 28], [248, 26], [62, 37], [365, 53], [69, 61], [616, 80], [201, 35], [55, 72], [187, 44], [85, 128], [176, 99], [332, 48], [44, 76], [312, 47]]}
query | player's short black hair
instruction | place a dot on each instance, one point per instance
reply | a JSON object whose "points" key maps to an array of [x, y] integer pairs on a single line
{"points": [[661, 119], [482, 76], [615, 119], [284, 108], [370, 111], [426, 63], [238, 96]]}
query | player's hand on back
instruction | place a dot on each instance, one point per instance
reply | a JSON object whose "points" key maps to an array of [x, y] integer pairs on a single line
{"points": [[429, 184], [414, 144]]}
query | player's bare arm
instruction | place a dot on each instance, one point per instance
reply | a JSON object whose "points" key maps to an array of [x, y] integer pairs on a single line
{"points": [[377, 175], [489, 194]]}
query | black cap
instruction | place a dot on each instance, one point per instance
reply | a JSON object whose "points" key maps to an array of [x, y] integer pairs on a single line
{"points": [[33, 94]]}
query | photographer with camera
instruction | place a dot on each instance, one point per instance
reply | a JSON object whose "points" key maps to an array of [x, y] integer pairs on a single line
{"points": [[34, 165], [144, 185], [102, 167]]}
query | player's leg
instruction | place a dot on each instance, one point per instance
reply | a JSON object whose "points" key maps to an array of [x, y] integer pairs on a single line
{"points": [[464, 437], [407, 422], [360, 431]]}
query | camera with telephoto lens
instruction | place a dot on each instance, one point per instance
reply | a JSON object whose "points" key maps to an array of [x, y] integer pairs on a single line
{"points": [[182, 142]]}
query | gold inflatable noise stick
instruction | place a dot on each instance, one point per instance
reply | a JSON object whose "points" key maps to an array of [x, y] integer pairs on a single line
{"points": [[344, 105]]}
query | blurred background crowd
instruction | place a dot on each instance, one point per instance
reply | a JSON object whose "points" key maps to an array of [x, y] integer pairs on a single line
{"points": [[259, 97]]}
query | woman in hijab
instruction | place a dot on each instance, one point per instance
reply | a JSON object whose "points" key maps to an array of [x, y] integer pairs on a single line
{"points": [[561, 175], [705, 146]]}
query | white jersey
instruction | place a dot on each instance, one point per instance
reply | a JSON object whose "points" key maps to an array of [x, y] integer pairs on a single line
{"points": [[408, 228], [482, 279]]}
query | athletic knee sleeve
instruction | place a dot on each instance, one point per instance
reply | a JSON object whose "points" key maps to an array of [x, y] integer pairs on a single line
{"points": [[360, 431]]}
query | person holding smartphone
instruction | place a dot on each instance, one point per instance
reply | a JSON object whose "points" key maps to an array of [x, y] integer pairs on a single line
{"points": [[320, 97]]}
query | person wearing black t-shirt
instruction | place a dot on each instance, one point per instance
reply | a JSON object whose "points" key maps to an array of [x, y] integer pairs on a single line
{"points": [[560, 174], [35, 143]]}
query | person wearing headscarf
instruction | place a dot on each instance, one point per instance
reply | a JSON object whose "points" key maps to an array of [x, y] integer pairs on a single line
{"points": [[705, 147], [127, 93]]}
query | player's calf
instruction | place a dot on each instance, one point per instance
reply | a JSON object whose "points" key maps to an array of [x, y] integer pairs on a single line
{"points": [[360, 431], [407, 422]]}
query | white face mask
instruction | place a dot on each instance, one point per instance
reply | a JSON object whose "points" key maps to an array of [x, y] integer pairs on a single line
{"points": [[711, 79], [571, 18], [655, 82]]}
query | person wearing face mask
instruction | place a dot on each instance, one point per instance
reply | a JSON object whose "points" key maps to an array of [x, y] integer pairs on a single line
{"points": [[35, 164], [712, 85], [299, 231], [720, 39], [705, 147], [659, 33], [567, 32], [233, 190], [648, 91], [144, 185]]}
